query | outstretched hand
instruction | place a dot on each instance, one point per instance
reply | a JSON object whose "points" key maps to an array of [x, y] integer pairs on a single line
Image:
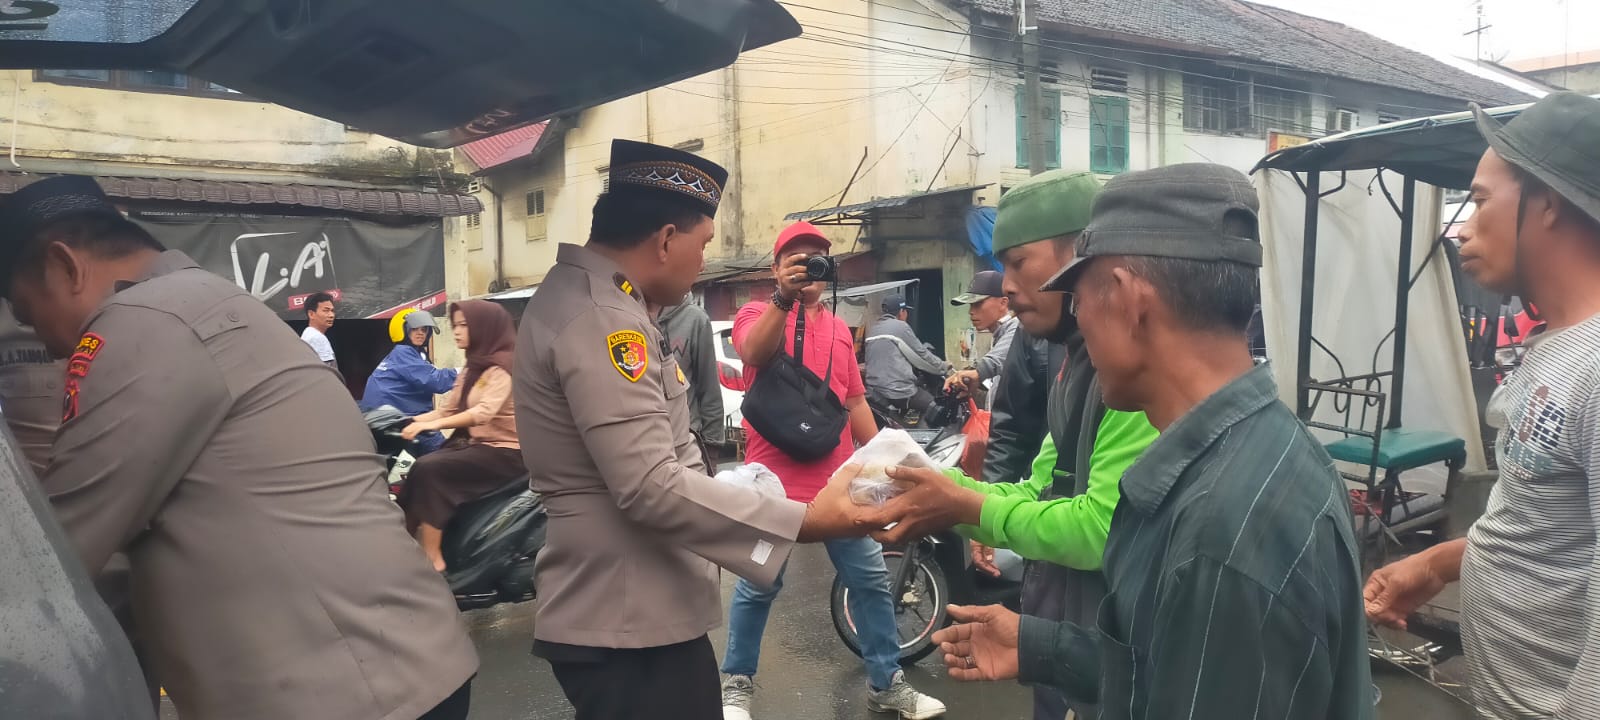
{"points": [[832, 514], [983, 645], [928, 502], [1399, 589]]}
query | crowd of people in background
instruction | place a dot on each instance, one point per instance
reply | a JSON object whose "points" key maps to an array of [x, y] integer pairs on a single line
{"points": [[1190, 547]]}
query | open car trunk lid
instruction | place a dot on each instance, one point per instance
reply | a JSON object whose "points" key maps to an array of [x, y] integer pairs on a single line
{"points": [[436, 73]]}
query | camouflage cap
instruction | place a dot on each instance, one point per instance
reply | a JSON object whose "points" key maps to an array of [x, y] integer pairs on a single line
{"points": [[1048, 205]]}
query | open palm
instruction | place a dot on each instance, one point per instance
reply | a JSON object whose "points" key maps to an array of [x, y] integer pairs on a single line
{"points": [[983, 645]]}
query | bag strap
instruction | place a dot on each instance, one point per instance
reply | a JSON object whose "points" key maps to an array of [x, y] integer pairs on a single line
{"points": [[800, 334], [800, 343]]}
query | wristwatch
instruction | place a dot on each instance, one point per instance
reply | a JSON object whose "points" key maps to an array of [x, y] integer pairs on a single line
{"points": [[783, 303]]}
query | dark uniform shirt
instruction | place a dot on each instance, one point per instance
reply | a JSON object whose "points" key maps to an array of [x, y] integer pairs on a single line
{"points": [[1234, 583]]}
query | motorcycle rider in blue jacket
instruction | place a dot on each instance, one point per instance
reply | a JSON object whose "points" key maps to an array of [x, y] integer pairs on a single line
{"points": [[406, 379]]}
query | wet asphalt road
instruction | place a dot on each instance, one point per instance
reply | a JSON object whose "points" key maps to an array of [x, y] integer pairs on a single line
{"points": [[806, 673]]}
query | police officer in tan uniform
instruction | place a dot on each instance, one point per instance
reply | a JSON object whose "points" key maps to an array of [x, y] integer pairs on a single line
{"points": [[30, 389], [271, 576], [628, 582]]}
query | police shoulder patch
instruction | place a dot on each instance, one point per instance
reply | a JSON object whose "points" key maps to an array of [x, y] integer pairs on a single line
{"points": [[630, 355], [78, 367], [89, 346]]}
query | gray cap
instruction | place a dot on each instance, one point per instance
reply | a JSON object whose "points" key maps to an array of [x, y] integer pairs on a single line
{"points": [[986, 284], [1193, 211], [418, 320]]}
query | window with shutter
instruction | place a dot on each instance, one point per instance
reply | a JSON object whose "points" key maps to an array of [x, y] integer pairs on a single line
{"points": [[1108, 134], [1051, 99]]}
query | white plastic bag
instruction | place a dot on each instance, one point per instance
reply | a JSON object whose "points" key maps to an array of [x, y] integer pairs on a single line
{"points": [[756, 477], [873, 486]]}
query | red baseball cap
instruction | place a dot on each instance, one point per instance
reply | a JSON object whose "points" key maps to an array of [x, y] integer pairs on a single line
{"points": [[799, 231]]}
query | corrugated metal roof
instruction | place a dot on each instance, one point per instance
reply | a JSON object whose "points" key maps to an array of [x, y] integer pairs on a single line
{"points": [[1441, 150], [1251, 31], [880, 203], [505, 147], [212, 192]]}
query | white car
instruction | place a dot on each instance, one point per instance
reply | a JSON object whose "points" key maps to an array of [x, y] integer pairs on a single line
{"points": [[730, 371]]}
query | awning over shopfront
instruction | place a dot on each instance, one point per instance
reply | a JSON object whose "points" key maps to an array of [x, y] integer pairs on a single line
{"points": [[363, 201], [372, 270], [861, 304], [860, 212]]}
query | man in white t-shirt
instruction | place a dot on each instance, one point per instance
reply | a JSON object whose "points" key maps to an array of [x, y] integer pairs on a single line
{"points": [[319, 317]]}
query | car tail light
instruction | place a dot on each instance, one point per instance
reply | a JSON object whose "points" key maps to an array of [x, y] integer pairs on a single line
{"points": [[730, 377]]}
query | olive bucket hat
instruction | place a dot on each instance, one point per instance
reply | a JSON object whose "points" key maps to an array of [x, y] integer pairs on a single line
{"points": [[1557, 140]]}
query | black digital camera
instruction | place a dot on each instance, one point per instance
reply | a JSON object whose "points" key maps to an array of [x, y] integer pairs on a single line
{"points": [[822, 268]]}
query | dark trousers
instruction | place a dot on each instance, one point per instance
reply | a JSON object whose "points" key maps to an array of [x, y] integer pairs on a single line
{"points": [[671, 682], [920, 402], [454, 707]]}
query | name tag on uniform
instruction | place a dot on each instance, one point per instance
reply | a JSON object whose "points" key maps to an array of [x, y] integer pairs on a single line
{"points": [[761, 553]]}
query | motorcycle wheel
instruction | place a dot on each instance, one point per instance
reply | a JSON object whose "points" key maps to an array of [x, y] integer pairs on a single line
{"points": [[919, 611]]}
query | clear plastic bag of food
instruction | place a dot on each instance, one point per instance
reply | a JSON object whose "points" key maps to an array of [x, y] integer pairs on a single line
{"points": [[872, 485], [755, 476]]}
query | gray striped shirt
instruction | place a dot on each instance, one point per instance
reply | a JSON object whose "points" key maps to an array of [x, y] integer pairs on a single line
{"points": [[1530, 608]]}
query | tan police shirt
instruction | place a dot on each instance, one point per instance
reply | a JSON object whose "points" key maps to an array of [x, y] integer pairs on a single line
{"points": [[271, 576], [30, 389], [637, 529]]}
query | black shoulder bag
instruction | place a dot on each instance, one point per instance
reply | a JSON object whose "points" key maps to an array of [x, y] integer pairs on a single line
{"points": [[792, 408]]}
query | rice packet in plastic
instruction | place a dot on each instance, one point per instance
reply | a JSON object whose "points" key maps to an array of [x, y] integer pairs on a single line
{"points": [[755, 476], [891, 447]]}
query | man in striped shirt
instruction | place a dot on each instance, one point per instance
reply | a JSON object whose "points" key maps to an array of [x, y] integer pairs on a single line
{"points": [[1530, 591], [1231, 558]]}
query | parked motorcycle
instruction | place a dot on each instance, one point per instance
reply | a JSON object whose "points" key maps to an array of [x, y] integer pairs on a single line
{"points": [[908, 419], [490, 544], [929, 573]]}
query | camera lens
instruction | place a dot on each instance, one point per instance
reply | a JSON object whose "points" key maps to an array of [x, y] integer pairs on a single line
{"points": [[821, 268]]}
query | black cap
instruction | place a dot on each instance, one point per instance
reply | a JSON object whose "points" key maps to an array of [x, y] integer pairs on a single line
{"points": [[42, 203], [985, 285], [653, 167], [893, 304], [1192, 211]]}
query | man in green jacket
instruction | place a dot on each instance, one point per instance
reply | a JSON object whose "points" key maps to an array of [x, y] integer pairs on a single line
{"points": [[1059, 518]]}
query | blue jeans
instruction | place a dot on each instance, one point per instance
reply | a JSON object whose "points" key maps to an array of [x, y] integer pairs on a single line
{"points": [[859, 563]]}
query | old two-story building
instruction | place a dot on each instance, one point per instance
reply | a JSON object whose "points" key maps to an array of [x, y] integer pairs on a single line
{"points": [[284, 203], [896, 125], [1577, 71]]}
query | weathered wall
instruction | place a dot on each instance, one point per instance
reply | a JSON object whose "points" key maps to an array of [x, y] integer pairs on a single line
{"points": [[1581, 78], [150, 134], [896, 88]]}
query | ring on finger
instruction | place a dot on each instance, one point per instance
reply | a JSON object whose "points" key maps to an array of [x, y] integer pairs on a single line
{"points": [[971, 663]]}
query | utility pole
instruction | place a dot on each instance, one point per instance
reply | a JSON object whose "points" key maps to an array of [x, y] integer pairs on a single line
{"points": [[1033, 94], [1478, 31]]}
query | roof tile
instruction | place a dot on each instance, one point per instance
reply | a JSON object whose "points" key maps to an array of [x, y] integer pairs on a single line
{"points": [[1273, 36]]}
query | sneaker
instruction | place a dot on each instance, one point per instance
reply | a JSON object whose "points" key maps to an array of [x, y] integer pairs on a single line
{"points": [[900, 698], [737, 692]]}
